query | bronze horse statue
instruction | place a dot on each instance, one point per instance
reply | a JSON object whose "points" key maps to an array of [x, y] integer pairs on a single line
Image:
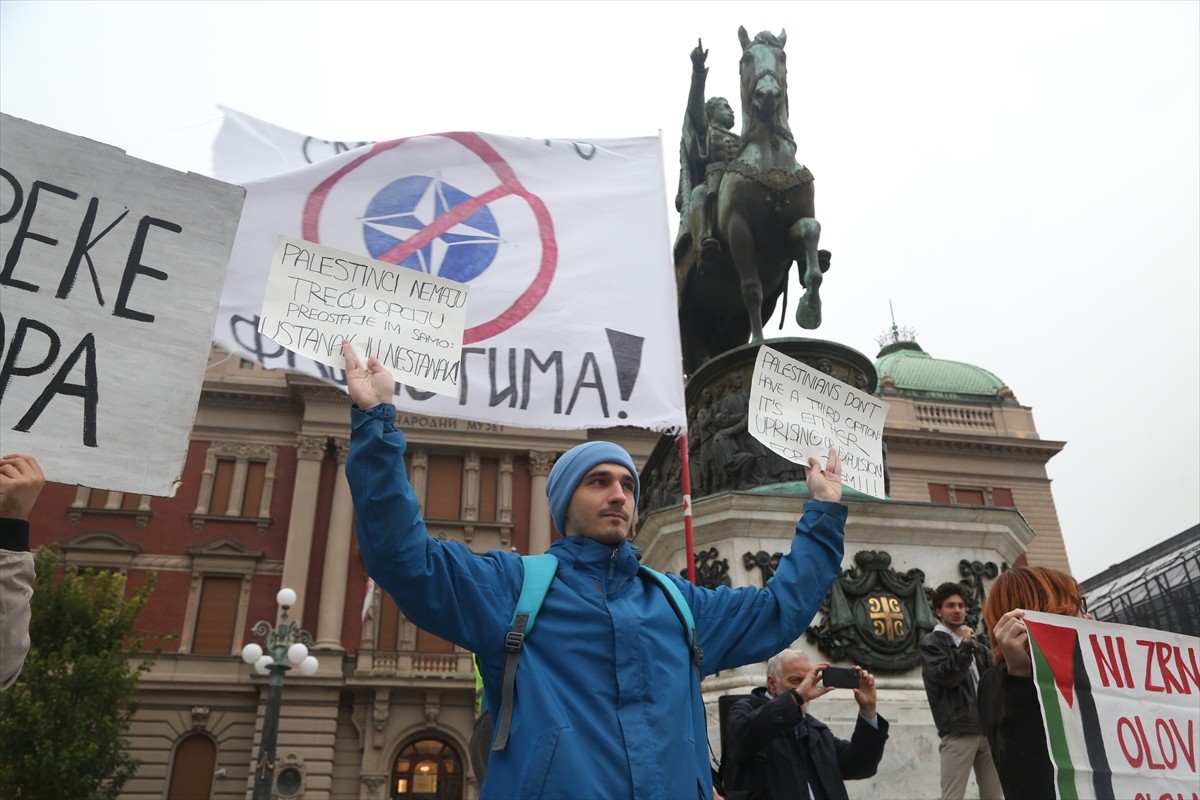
{"points": [[765, 220]]}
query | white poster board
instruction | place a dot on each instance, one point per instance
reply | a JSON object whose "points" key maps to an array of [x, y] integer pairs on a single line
{"points": [[799, 411], [411, 321], [111, 270]]}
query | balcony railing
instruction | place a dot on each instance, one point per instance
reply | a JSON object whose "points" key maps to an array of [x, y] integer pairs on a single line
{"points": [[409, 664], [943, 416]]}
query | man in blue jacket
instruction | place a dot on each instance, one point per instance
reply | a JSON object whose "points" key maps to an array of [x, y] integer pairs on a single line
{"points": [[607, 700]]}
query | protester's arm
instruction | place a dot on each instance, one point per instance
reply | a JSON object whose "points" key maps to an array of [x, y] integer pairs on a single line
{"points": [[696, 116], [944, 662], [752, 727], [16, 590], [741, 626], [859, 758], [21, 480], [440, 586]]}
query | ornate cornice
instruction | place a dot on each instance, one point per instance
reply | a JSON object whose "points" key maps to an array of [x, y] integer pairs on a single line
{"points": [[247, 400], [1001, 448]]}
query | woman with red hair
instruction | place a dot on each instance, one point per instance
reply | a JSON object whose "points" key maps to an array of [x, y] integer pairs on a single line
{"points": [[1008, 703]]}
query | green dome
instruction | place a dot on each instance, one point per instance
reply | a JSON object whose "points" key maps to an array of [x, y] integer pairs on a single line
{"points": [[905, 368]]}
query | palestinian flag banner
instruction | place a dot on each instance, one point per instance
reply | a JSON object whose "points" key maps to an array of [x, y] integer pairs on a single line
{"points": [[1121, 707]]}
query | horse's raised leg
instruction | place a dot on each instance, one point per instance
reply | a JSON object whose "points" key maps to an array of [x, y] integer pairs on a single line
{"points": [[745, 260], [803, 237]]}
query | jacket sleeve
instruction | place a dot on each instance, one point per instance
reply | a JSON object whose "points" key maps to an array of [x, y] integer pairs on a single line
{"points": [[745, 625], [440, 586], [16, 591], [1012, 722], [944, 662], [752, 727], [859, 758]]}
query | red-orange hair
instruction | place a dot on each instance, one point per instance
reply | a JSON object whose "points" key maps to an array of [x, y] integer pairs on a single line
{"points": [[1033, 589]]}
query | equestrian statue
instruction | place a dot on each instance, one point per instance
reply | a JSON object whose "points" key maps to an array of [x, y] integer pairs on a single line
{"points": [[746, 209]]}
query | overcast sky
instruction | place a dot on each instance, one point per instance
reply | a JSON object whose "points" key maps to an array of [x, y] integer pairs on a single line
{"points": [[1020, 180]]}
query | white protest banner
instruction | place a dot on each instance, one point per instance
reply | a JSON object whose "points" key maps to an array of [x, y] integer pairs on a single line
{"points": [[112, 268], [412, 322], [250, 149], [799, 411], [1119, 705], [564, 244]]}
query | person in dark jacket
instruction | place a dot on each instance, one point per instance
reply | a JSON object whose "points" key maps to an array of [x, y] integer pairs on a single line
{"points": [[776, 749], [952, 662], [1008, 703]]}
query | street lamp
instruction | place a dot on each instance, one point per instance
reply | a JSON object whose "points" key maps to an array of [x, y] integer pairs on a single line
{"points": [[285, 642]]}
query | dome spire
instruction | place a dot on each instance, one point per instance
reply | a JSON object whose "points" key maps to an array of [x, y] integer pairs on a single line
{"points": [[896, 338]]}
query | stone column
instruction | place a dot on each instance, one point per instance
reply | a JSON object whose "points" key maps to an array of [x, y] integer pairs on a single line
{"points": [[539, 507], [237, 490], [337, 558], [310, 451]]}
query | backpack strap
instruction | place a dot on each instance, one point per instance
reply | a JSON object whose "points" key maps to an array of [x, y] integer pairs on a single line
{"points": [[682, 610], [539, 572]]}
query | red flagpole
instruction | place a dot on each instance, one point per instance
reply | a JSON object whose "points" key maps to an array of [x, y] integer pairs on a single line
{"points": [[685, 477]]}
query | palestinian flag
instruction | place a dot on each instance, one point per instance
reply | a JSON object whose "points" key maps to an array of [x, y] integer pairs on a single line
{"points": [[1073, 729]]}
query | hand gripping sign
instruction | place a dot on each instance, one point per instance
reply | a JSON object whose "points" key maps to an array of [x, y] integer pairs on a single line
{"points": [[799, 411], [412, 322]]}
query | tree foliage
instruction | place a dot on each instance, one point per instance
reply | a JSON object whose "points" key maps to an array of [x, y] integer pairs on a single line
{"points": [[62, 722]]}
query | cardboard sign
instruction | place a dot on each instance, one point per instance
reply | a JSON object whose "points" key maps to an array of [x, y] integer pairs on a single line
{"points": [[411, 321], [799, 411], [1119, 706], [111, 271]]}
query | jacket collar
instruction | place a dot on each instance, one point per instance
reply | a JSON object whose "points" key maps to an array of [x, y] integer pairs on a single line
{"points": [[589, 555]]}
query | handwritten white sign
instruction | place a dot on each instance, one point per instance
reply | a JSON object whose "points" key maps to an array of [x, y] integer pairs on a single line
{"points": [[799, 411], [110, 273], [411, 321]]}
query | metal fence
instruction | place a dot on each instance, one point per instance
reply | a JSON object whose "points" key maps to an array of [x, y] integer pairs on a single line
{"points": [[1164, 594]]}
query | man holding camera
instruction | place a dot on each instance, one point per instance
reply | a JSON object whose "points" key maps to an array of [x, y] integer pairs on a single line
{"points": [[776, 749]]}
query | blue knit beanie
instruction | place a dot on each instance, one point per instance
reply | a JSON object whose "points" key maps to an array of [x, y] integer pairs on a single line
{"points": [[570, 468]]}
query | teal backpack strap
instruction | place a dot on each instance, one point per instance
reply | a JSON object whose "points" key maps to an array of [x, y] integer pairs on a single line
{"points": [[682, 610], [539, 572]]}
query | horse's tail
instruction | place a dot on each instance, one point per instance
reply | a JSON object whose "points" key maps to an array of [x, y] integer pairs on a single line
{"points": [[783, 305]]}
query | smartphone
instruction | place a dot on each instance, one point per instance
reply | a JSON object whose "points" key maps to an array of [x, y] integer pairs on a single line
{"points": [[841, 677]]}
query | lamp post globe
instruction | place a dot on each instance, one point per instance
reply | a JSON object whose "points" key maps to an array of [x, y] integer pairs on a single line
{"points": [[282, 643]]}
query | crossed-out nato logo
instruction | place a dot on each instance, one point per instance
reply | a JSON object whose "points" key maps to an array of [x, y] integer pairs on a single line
{"points": [[407, 206], [392, 200]]}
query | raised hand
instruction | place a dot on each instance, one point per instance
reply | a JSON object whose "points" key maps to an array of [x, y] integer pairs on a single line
{"points": [[699, 56], [810, 688], [21, 480], [369, 384], [865, 694], [1012, 637], [825, 484]]}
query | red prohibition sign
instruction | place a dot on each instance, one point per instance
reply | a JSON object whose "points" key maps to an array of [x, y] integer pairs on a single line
{"points": [[509, 184]]}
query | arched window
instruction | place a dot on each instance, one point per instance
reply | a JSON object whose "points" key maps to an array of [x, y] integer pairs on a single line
{"points": [[192, 771], [428, 769]]}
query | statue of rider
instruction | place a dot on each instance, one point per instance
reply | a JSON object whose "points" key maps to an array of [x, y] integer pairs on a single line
{"points": [[707, 144]]}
